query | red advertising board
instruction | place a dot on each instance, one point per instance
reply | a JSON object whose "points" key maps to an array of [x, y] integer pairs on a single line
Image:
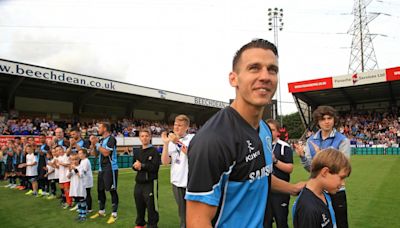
{"points": [[5, 138], [310, 85], [393, 74]]}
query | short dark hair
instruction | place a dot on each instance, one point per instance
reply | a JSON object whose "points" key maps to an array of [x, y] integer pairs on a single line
{"points": [[84, 151], [59, 146], [256, 43], [106, 125], [44, 135], [75, 129], [17, 138], [323, 110]]}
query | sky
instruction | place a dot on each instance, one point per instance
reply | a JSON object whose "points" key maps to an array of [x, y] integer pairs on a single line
{"points": [[187, 46]]}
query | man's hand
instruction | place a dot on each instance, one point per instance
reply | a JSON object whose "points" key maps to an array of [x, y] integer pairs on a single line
{"points": [[298, 187], [93, 140], [299, 149], [72, 142], [184, 148], [164, 137], [173, 138], [137, 165], [316, 148]]}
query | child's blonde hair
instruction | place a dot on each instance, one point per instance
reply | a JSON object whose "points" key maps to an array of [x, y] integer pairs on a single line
{"points": [[331, 158]]}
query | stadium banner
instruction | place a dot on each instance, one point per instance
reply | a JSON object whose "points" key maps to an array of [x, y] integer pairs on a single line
{"points": [[363, 78], [393, 74], [43, 73], [5, 138], [310, 85]]}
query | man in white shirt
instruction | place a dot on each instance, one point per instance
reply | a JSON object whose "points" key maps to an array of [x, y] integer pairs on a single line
{"points": [[175, 153]]}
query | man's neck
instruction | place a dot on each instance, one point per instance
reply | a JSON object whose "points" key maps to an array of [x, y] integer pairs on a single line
{"points": [[106, 134], [325, 134], [250, 113], [145, 146], [314, 186]]}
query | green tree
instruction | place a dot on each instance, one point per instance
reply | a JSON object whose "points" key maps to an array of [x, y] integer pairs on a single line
{"points": [[293, 125]]}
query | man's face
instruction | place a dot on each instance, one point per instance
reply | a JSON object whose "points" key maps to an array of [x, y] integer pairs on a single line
{"points": [[326, 123], [59, 133], [23, 140], [144, 138], [42, 139], [75, 135], [274, 130], [102, 129], [180, 128], [256, 77], [31, 141]]}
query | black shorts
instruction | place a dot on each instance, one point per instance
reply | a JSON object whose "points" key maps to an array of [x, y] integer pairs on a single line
{"points": [[10, 167], [107, 180], [32, 178]]}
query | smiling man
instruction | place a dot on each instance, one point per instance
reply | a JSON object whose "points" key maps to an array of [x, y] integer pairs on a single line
{"points": [[230, 159]]}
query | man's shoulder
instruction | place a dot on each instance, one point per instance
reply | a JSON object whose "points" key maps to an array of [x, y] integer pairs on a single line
{"points": [[283, 143]]}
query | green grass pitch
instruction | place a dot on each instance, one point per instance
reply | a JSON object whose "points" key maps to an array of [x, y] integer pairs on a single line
{"points": [[371, 190]]}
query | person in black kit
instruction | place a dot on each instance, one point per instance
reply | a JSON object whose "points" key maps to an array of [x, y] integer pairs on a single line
{"points": [[313, 207], [107, 179], [278, 203], [147, 163], [43, 182]]}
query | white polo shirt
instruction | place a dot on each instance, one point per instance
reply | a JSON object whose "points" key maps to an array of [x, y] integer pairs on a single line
{"points": [[179, 162], [62, 170], [31, 170]]}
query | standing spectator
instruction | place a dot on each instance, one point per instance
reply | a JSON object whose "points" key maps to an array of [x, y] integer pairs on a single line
{"points": [[282, 159], [175, 153], [147, 163], [325, 117]]}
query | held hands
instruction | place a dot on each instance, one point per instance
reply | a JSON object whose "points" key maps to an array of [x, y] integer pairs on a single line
{"points": [[164, 137], [316, 148], [184, 148], [137, 165], [93, 140], [171, 137], [299, 149], [72, 142]]}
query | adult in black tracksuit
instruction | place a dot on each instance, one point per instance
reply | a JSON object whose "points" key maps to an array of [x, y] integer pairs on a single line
{"points": [[146, 163], [278, 203]]}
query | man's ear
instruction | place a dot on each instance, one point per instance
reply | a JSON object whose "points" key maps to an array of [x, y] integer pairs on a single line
{"points": [[324, 171], [233, 79]]}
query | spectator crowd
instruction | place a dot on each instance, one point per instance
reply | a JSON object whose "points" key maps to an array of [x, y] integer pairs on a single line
{"points": [[121, 128], [371, 129]]}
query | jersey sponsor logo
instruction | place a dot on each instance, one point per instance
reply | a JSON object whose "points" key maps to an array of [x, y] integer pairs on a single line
{"points": [[325, 220], [251, 155], [258, 174]]}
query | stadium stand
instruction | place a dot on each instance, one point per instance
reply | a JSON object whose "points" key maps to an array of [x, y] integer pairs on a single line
{"points": [[367, 103]]}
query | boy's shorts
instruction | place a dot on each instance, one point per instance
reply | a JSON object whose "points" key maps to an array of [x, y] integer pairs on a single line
{"points": [[32, 178]]}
